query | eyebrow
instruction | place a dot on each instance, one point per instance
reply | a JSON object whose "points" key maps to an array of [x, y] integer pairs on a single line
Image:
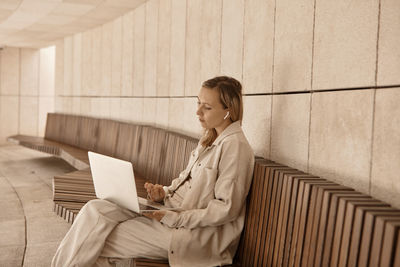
{"points": [[203, 102]]}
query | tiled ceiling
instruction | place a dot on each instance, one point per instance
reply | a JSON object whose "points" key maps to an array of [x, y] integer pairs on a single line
{"points": [[38, 23]]}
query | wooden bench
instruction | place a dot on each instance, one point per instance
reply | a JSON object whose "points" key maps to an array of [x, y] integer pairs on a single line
{"points": [[292, 218]]}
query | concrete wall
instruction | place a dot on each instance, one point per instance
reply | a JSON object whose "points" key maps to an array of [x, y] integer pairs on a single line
{"points": [[26, 90], [321, 78]]}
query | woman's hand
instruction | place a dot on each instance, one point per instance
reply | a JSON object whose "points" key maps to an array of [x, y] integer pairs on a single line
{"points": [[155, 192], [157, 215]]}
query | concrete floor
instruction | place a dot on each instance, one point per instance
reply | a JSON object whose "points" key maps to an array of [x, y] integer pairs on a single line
{"points": [[29, 229]]}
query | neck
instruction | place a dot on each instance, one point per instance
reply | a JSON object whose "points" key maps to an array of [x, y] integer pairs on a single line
{"points": [[221, 128]]}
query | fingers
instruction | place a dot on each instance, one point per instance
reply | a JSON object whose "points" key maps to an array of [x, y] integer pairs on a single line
{"points": [[154, 191], [157, 215]]}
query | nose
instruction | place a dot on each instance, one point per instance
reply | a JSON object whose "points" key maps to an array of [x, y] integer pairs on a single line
{"points": [[198, 112]]}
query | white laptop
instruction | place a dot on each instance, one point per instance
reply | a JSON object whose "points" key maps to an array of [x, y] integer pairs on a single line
{"points": [[114, 181]]}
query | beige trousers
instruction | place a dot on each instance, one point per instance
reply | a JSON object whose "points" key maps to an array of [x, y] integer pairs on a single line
{"points": [[104, 232]]}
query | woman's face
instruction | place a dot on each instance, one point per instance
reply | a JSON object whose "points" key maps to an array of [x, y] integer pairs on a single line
{"points": [[210, 110]]}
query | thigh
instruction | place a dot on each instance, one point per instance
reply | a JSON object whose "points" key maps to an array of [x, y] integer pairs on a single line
{"points": [[139, 237]]}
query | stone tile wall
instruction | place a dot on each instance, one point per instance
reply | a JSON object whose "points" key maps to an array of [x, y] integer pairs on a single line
{"points": [[321, 78], [26, 90]]}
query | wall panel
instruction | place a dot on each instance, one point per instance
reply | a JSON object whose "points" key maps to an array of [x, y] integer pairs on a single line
{"points": [[164, 48], [138, 50], [87, 60], [76, 65], [175, 121], [258, 46], [232, 38], [29, 72], [67, 77], [345, 44], [210, 53], [116, 58], [9, 115], [162, 107], [290, 130], [28, 115], [59, 71], [150, 50], [256, 123], [46, 105], [193, 39], [106, 63], [177, 55], [46, 74], [149, 110], [10, 71], [385, 183], [96, 65], [389, 49], [293, 45], [127, 55], [340, 137]]}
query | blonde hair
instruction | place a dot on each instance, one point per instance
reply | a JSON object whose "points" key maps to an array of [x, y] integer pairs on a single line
{"points": [[230, 92]]}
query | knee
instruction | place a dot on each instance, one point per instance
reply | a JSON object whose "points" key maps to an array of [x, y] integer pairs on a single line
{"points": [[97, 206]]}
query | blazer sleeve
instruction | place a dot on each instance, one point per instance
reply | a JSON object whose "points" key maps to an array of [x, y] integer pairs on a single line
{"points": [[235, 171]]}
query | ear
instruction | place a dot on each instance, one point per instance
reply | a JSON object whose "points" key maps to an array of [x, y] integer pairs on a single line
{"points": [[227, 115]]}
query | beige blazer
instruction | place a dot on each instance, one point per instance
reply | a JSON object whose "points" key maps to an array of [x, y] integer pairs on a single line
{"points": [[207, 230]]}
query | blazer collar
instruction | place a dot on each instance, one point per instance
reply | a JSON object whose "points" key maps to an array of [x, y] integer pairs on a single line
{"points": [[233, 128]]}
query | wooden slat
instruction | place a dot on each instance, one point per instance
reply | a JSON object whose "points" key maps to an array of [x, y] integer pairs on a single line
{"points": [[156, 156], [136, 146], [170, 155], [349, 226], [376, 254], [390, 239], [308, 196], [339, 226], [87, 134], [180, 154], [125, 141], [259, 208], [326, 226], [53, 127], [315, 219], [294, 214], [396, 262], [257, 183], [286, 220], [329, 236], [141, 156], [283, 215], [359, 227], [69, 129], [274, 215], [368, 232], [107, 134]]}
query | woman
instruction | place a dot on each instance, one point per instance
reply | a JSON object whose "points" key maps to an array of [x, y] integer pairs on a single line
{"points": [[210, 194]]}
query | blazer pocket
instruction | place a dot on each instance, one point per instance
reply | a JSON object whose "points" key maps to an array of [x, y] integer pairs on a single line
{"points": [[207, 178], [210, 174]]}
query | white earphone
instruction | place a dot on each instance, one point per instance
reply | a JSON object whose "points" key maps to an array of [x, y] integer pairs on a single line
{"points": [[226, 116]]}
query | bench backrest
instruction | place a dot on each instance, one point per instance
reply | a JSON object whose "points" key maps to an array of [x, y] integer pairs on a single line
{"points": [[296, 219], [157, 154]]}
